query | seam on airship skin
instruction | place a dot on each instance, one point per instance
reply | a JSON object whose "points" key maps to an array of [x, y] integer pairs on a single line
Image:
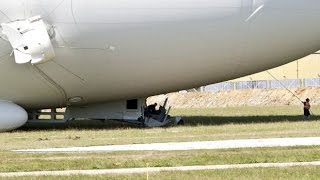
{"points": [[61, 92], [69, 71], [54, 9], [4, 14], [37, 76], [4, 55], [72, 12], [2, 37]]}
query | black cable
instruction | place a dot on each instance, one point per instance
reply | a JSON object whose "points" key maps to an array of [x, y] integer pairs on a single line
{"points": [[287, 89]]}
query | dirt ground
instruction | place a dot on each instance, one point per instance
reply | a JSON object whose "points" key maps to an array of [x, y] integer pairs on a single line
{"points": [[253, 97]]}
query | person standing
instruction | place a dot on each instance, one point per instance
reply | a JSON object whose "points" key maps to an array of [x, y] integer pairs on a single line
{"points": [[306, 108]]}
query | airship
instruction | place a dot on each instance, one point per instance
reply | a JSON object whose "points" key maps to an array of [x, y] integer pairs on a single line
{"points": [[102, 58]]}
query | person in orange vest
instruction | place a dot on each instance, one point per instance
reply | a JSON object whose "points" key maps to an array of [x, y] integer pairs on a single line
{"points": [[306, 108]]}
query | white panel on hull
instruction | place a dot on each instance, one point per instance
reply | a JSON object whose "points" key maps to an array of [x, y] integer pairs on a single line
{"points": [[30, 40]]}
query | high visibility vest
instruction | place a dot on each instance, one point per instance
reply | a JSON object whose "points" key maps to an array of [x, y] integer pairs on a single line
{"points": [[306, 105]]}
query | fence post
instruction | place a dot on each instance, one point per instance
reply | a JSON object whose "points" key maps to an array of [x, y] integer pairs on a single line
{"points": [[302, 83]]}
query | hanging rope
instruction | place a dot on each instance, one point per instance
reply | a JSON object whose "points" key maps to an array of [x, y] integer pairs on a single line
{"points": [[287, 89], [284, 86]]}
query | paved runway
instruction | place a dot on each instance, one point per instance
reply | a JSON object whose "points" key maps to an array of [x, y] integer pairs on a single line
{"points": [[198, 145], [156, 169], [175, 146]]}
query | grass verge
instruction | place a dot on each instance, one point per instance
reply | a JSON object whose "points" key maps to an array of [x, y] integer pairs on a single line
{"points": [[13, 162]]}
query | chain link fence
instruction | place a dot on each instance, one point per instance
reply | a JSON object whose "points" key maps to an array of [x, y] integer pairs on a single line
{"points": [[263, 84]]}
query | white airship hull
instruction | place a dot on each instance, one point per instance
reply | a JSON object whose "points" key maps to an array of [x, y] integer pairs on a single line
{"points": [[112, 50]]}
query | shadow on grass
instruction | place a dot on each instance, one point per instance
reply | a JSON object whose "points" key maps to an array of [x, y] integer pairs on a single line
{"points": [[223, 120], [80, 125], [189, 121]]}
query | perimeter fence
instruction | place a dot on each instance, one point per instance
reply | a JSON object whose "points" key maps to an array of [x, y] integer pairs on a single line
{"points": [[263, 84]]}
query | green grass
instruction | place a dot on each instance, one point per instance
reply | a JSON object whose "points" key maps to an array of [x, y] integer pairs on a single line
{"points": [[245, 174], [15, 162], [294, 173], [84, 137], [201, 125], [245, 114]]}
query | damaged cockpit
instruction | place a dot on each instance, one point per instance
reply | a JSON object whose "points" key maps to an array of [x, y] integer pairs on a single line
{"points": [[153, 117], [132, 111]]}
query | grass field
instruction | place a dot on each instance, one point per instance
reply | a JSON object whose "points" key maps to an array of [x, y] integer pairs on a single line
{"points": [[201, 124], [312, 173], [231, 174]]}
